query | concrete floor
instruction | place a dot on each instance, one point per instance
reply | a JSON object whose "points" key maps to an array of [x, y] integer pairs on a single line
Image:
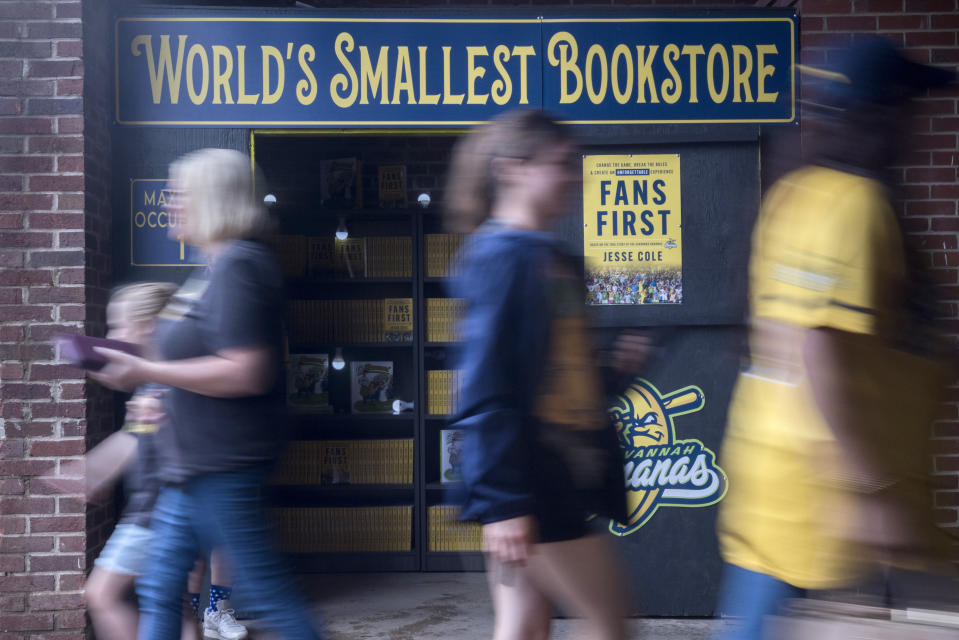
{"points": [[415, 606]]}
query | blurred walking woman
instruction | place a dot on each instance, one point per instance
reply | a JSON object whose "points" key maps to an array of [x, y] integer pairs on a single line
{"points": [[221, 357], [540, 454]]}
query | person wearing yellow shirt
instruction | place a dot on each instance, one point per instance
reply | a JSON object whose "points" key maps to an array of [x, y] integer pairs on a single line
{"points": [[808, 461]]}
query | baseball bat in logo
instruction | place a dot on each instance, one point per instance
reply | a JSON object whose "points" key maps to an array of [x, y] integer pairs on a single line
{"points": [[661, 470]]}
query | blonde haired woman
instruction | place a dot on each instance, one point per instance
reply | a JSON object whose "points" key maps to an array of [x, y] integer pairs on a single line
{"points": [[221, 357]]}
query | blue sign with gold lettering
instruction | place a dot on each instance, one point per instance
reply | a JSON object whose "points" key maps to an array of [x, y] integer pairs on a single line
{"points": [[310, 71], [654, 70], [151, 242]]}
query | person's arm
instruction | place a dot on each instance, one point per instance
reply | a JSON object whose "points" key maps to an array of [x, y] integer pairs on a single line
{"points": [[829, 356], [231, 373], [624, 360], [242, 328], [504, 328], [98, 469], [496, 449]]}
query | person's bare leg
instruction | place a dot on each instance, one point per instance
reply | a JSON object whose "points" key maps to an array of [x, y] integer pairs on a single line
{"points": [[194, 582], [191, 618], [190, 629], [521, 611], [220, 571], [584, 576], [113, 615]]}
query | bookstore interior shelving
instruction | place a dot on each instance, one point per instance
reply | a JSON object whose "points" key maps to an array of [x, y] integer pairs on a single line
{"points": [[370, 329]]}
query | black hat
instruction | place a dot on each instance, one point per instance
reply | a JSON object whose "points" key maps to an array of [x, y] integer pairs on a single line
{"points": [[879, 73]]}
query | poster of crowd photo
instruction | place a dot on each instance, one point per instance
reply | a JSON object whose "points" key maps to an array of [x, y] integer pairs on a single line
{"points": [[632, 229]]}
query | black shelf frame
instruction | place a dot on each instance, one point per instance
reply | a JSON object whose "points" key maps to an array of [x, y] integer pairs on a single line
{"points": [[440, 486], [304, 347], [333, 418], [367, 213], [453, 561], [341, 495]]}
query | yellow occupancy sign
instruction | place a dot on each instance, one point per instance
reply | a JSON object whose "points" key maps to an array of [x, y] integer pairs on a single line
{"points": [[632, 229]]}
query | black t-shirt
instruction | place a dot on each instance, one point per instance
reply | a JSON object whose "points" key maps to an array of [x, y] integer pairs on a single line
{"points": [[241, 307], [141, 480]]}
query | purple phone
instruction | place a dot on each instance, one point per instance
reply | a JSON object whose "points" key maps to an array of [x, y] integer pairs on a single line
{"points": [[78, 350]]}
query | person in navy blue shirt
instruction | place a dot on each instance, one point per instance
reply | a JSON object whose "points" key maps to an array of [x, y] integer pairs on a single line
{"points": [[540, 455]]}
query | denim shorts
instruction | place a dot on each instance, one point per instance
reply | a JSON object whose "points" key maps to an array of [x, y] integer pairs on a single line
{"points": [[126, 550]]}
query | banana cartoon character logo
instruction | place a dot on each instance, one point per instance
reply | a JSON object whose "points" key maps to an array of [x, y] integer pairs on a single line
{"points": [[661, 470]]}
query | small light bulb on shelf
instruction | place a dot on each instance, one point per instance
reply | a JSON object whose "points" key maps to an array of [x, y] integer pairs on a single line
{"points": [[341, 231], [338, 361], [401, 405]]}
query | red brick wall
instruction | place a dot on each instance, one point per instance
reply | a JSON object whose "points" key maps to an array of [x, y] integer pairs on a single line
{"points": [[928, 30], [52, 267]]}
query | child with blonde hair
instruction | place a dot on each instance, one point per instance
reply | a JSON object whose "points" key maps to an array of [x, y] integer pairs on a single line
{"points": [[132, 451]]}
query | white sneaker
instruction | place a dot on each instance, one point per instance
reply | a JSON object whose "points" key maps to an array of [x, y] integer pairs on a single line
{"points": [[222, 624]]}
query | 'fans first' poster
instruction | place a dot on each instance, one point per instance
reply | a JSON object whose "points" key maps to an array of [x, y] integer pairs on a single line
{"points": [[632, 229]]}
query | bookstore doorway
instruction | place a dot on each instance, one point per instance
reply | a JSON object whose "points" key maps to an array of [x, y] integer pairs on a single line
{"points": [[370, 324], [370, 336]]}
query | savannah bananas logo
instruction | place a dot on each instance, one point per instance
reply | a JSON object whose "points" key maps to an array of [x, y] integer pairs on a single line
{"points": [[662, 471]]}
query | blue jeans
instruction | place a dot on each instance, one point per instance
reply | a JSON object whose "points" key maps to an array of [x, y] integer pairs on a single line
{"points": [[747, 597], [222, 510]]}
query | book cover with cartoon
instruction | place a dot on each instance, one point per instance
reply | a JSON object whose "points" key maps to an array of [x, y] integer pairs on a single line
{"points": [[451, 454], [308, 381], [340, 183], [371, 387]]}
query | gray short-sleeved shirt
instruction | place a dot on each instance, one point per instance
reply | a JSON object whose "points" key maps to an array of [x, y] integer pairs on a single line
{"points": [[242, 306]]}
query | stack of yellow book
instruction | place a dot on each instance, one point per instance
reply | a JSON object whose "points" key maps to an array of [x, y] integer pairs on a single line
{"points": [[440, 251], [345, 529], [374, 257], [342, 461], [389, 257], [442, 391], [350, 258], [320, 261], [331, 321], [447, 533], [443, 319]]}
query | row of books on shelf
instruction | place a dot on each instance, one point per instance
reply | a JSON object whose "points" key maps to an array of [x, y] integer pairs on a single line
{"points": [[328, 257], [386, 461], [386, 320], [447, 533], [441, 250], [346, 462], [329, 321], [366, 529], [344, 529], [442, 319], [442, 391], [307, 385]]}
